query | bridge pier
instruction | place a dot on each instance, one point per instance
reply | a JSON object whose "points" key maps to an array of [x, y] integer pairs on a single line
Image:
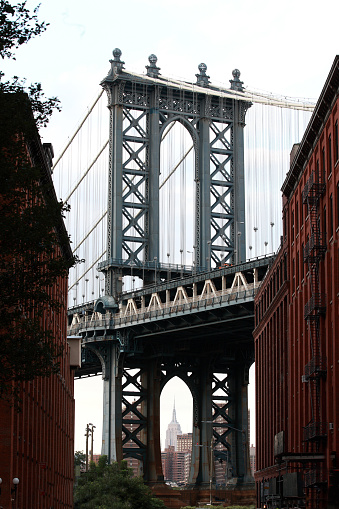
{"points": [[205, 339], [238, 412], [151, 381], [112, 420]]}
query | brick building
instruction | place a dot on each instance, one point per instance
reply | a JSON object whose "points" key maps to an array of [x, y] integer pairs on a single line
{"points": [[176, 460], [297, 327], [175, 465], [37, 443]]}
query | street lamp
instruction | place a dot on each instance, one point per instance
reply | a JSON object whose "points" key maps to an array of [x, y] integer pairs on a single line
{"points": [[169, 267], [272, 224], [14, 490], [209, 264], [211, 460], [237, 247], [155, 269]]}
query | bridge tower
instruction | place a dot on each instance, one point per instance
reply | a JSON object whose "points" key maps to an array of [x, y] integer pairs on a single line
{"points": [[141, 108], [138, 359]]}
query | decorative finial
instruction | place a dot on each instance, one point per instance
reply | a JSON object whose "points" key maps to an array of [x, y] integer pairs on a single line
{"points": [[202, 78], [152, 69], [236, 84], [117, 65]]}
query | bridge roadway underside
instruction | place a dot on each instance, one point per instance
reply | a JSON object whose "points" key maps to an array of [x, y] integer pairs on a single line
{"points": [[207, 342]]}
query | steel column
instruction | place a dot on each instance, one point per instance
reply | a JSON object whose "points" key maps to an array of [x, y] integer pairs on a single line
{"points": [[153, 177], [153, 466], [203, 203], [239, 181], [115, 203], [112, 421]]}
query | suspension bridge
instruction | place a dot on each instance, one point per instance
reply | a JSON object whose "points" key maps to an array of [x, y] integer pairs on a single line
{"points": [[175, 208]]}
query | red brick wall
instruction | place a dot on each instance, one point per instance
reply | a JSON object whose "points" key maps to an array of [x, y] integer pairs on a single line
{"points": [[282, 338], [37, 443]]}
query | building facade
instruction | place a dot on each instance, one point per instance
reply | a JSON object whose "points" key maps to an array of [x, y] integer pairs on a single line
{"points": [[173, 430], [297, 327], [37, 442]]}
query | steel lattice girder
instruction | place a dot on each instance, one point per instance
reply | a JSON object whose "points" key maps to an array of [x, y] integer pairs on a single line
{"points": [[142, 111]]}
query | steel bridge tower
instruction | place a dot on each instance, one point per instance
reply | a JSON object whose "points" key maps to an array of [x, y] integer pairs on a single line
{"points": [[138, 360], [141, 108]]}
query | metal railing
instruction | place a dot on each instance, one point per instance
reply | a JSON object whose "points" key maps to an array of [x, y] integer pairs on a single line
{"points": [[315, 431], [195, 303], [316, 366]]}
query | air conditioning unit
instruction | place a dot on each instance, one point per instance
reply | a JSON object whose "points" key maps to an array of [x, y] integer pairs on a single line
{"points": [[330, 425], [304, 379]]}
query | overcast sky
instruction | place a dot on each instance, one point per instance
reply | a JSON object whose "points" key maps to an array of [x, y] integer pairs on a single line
{"points": [[285, 48]]}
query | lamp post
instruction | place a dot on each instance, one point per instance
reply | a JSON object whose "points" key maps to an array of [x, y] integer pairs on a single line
{"points": [[209, 261], [15, 481], [155, 269], [238, 237], [191, 252], [169, 267]]}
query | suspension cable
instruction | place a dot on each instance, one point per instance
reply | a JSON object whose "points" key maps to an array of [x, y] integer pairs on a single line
{"points": [[89, 268], [78, 129]]}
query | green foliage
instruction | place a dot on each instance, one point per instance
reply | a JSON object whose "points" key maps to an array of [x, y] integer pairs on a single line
{"points": [[30, 219], [223, 507], [79, 458], [31, 262], [17, 26], [113, 487]]}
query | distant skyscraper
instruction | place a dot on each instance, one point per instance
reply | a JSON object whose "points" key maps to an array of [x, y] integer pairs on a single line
{"points": [[173, 430]]}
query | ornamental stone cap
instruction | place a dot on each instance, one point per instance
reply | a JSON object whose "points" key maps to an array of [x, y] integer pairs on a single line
{"points": [[117, 65], [236, 84], [202, 78], [152, 69]]}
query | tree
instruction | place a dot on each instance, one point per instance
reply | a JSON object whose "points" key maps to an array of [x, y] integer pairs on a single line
{"points": [[17, 26], [113, 487], [79, 459], [34, 248], [34, 244]]}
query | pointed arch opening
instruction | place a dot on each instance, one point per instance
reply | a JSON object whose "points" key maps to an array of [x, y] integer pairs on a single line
{"points": [[176, 418]]}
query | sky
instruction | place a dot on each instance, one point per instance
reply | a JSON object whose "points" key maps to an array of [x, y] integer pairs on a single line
{"points": [[286, 48]]}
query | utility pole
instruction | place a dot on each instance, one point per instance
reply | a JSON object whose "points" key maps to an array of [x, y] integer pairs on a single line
{"points": [[92, 440], [88, 432]]}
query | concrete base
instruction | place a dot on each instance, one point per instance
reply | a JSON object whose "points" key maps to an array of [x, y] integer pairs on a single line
{"points": [[175, 499]]}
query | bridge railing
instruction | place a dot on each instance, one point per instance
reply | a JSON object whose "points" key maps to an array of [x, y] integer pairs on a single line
{"points": [[194, 303]]}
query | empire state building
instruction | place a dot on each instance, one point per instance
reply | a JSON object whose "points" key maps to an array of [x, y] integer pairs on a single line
{"points": [[173, 430]]}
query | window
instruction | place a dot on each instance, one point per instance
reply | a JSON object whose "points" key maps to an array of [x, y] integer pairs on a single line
{"points": [[329, 155], [302, 265], [323, 162], [297, 216], [336, 147], [331, 216], [292, 226], [324, 223], [293, 276]]}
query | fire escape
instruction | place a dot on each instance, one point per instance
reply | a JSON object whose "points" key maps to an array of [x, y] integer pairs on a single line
{"points": [[315, 370]]}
